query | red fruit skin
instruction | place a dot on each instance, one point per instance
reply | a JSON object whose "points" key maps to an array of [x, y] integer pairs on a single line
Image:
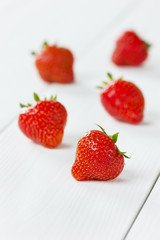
{"points": [[44, 122], [130, 50], [97, 158], [55, 64], [124, 101]]}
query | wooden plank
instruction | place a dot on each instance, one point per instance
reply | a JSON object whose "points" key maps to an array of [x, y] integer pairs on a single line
{"points": [[146, 225]]}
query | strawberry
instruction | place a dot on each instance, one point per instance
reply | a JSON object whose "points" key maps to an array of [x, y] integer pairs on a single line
{"points": [[123, 100], [130, 50], [97, 157], [43, 122], [55, 64]]}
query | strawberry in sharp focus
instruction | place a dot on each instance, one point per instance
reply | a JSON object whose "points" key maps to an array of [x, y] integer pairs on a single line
{"points": [[97, 157], [55, 64], [43, 122], [130, 50], [123, 100]]}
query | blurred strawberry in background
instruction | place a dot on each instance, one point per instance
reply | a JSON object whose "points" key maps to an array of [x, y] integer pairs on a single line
{"points": [[130, 50], [55, 64], [123, 100]]}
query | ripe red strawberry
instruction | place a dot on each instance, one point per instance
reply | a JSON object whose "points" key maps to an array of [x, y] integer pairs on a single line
{"points": [[123, 100], [44, 122], [130, 50], [55, 64], [97, 157]]}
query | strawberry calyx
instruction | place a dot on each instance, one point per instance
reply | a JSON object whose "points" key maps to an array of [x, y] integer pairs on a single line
{"points": [[110, 79], [37, 99], [147, 45], [53, 98], [22, 105], [110, 76], [33, 53], [106, 82], [123, 153], [102, 129], [45, 44], [114, 137]]}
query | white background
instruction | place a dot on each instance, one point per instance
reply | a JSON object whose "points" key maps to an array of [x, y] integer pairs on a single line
{"points": [[39, 199]]}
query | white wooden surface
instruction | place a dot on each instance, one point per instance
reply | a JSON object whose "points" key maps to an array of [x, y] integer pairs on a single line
{"points": [[149, 218], [39, 199]]}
